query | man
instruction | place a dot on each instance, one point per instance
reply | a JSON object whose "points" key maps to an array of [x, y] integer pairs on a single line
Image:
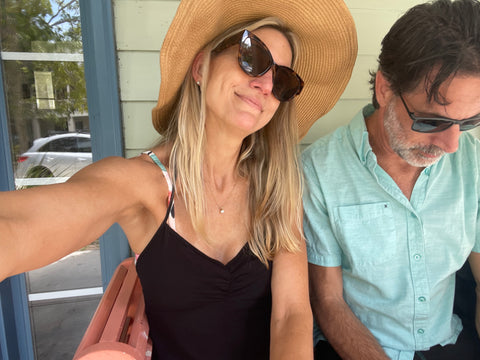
{"points": [[392, 199]]}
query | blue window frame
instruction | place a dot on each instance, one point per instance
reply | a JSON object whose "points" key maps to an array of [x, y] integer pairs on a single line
{"points": [[15, 332], [104, 110]]}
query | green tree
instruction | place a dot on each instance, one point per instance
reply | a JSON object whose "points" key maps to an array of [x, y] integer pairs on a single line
{"points": [[41, 26]]}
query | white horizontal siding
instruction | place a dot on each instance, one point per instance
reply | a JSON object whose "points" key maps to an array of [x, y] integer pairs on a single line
{"points": [[139, 75], [139, 131], [142, 25]]}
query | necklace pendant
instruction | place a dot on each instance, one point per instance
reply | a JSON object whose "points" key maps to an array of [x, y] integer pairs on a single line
{"points": [[221, 210]]}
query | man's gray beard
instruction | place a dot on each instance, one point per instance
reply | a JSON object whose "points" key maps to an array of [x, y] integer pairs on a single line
{"points": [[398, 141]]}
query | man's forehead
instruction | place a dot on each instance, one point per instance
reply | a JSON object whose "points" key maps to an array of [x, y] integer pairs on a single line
{"points": [[451, 89], [458, 97]]}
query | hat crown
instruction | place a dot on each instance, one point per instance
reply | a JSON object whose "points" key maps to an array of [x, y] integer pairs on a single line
{"points": [[328, 48]]}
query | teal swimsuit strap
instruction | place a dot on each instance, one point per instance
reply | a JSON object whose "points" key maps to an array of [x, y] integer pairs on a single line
{"points": [[164, 171], [155, 159]]}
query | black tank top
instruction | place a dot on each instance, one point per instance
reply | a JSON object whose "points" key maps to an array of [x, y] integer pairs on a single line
{"points": [[199, 308]]}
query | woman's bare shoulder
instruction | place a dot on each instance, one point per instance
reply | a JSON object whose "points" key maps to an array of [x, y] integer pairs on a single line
{"points": [[138, 177], [119, 168]]}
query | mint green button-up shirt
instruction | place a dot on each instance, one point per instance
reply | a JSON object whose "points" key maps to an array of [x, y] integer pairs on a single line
{"points": [[398, 256]]}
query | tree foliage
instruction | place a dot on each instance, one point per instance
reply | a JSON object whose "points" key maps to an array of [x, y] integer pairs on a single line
{"points": [[41, 26]]}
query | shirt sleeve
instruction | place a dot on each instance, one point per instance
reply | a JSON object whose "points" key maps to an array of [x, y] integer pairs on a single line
{"points": [[476, 247], [322, 246]]}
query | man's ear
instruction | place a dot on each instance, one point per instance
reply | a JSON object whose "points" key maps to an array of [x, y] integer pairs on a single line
{"points": [[198, 66], [383, 92]]}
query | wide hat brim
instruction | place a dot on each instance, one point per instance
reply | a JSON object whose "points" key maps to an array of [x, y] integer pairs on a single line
{"points": [[328, 48]]}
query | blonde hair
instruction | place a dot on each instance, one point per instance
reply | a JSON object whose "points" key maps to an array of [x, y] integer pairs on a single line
{"points": [[268, 159]]}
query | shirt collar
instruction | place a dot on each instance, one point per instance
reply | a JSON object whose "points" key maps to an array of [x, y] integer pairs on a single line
{"points": [[359, 133]]}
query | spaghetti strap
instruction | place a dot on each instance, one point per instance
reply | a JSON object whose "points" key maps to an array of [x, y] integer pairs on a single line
{"points": [[157, 161], [171, 211]]}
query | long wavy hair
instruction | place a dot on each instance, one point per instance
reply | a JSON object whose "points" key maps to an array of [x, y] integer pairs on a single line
{"points": [[268, 159]]}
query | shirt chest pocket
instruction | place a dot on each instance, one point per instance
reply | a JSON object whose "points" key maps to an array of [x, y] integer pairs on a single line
{"points": [[366, 233]]}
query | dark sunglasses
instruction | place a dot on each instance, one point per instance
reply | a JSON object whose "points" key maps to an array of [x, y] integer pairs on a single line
{"points": [[255, 60], [437, 124]]}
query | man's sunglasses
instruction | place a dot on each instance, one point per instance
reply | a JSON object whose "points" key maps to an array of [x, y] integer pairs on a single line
{"points": [[437, 124], [255, 60]]}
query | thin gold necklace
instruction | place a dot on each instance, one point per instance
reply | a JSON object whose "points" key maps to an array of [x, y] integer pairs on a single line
{"points": [[220, 208]]}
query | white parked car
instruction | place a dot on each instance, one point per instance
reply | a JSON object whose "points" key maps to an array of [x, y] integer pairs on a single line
{"points": [[59, 155]]}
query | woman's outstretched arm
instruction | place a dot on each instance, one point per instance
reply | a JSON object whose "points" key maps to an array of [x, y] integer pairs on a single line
{"points": [[40, 225]]}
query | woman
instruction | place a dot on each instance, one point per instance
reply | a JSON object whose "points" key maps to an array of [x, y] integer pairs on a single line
{"points": [[213, 211]]}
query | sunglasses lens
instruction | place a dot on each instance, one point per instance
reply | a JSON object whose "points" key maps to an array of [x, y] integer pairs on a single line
{"points": [[430, 126], [469, 124], [254, 59], [286, 83]]}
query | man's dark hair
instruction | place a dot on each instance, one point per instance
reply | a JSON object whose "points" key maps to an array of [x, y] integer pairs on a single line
{"points": [[431, 42]]}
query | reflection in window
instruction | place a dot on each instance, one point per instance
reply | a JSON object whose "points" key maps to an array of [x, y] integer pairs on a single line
{"points": [[44, 74], [84, 145], [58, 156], [44, 90], [67, 144]]}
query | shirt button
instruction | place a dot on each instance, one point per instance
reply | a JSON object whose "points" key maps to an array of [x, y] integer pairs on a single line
{"points": [[420, 331], [422, 299], [417, 257]]}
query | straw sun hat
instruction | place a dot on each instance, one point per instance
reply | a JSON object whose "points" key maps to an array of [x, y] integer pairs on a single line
{"points": [[328, 48]]}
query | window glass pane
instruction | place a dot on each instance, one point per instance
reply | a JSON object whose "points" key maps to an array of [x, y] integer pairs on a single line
{"points": [[42, 64], [62, 145], [84, 145]]}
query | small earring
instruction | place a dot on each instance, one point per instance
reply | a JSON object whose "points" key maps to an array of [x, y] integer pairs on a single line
{"points": [[198, 83]]}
